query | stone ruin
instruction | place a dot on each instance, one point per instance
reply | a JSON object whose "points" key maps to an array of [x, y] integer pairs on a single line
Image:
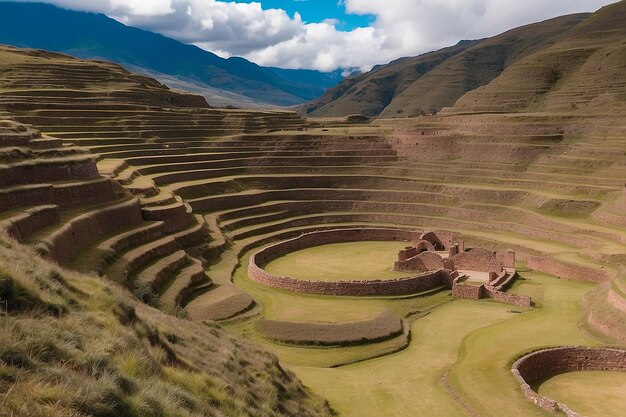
{"points": [[436, 259], [475, 273]]}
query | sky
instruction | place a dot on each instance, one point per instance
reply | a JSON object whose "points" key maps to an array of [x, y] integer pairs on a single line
{"points": [[327, 35], [316, 11]]}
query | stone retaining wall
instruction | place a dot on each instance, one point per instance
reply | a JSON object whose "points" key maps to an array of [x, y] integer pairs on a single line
{"points": [[255, 162], [554, 267], [402, 286], [326, 237], [63, 244], [26, 196], [94, 192], [467, 291], [507, 298], [540, 365], [32, 221], [37, 174], [224, 202], [175, 216], [383, 327], [425, 261], [14, 140], [63, 195], [616, 300], [477, 259], [507, 258]]}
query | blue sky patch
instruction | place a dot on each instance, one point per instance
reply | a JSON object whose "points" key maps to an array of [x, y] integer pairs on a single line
{"points": [[315, 11]]}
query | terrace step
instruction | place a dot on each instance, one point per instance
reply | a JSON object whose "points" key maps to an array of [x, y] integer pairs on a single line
{"points": [[155, 275], [137, 258], [35, 171], [161, 199], [142, 187], [126, 175], [26, 195], [175, 215], [45, 142], [81, 193], [99, 256], [63, 243], [112, 167], [29, 222], [183, 285], [221, 302], [602, 314]]}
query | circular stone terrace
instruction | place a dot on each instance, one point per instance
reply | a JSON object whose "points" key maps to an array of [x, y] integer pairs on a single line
{"points": [[385, 286], [536, 367], [425, 261]]}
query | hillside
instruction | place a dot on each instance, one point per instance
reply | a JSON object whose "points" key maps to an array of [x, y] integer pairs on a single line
{"points": [[95, 36], [78, 345], [370, 93], [429, 82], [581, 72]]}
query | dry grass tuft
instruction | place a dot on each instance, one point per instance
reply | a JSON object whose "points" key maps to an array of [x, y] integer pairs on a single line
{"points": [[76, 345]]}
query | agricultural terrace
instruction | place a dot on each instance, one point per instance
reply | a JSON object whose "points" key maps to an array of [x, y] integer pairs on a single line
{"points": [[171, 199]]}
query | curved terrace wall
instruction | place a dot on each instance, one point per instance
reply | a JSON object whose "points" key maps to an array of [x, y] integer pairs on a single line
{"points": [[62, 245], [401, 286], [383, 327], [28, 173], [540, 365]]}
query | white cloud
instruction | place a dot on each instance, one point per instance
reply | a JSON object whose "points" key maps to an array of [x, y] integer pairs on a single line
{"points": [[131, 7], [272, 37], [413, 26]]}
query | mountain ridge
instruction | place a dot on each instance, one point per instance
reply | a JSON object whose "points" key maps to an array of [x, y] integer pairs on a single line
{"points": [[425, 84], [92, 36]]}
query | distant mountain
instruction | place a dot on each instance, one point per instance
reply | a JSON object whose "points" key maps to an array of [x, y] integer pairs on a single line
{"points": [[370, 93], [427, 83], [90, 35]]}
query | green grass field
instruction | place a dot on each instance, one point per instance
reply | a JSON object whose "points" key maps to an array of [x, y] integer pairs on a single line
{"points": [[341, 261], [290, 306], [474, 343], [590, 393]]}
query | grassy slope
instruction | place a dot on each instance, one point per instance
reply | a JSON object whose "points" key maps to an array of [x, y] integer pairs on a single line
{"points": [[476, 66], [76, 345], [371, 92], [580, 72], [340, 261], [14, 62]]}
